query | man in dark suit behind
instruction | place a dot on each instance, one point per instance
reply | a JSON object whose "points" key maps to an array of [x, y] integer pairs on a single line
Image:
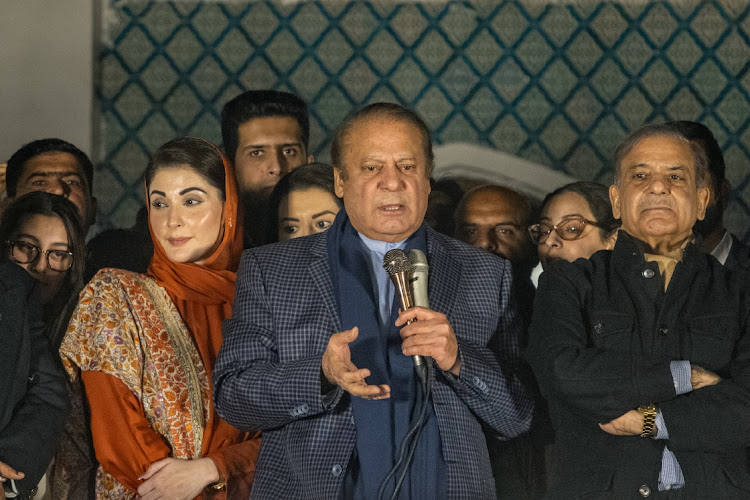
{"points": [[643, 352], [717, 241], [318, 357]]}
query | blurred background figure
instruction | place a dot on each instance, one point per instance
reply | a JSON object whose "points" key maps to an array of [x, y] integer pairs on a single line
{"points": [[717, 241], [130, 249], [441, 205], [575, 222], [495, 218], [266, 134], [147, 365], [303, 202]]}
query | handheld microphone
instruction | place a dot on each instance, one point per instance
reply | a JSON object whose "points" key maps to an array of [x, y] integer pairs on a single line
{"points": [[419, 270], [396, 265]]}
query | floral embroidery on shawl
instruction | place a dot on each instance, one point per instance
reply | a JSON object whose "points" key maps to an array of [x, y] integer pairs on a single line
{"points": [[117, 329]]}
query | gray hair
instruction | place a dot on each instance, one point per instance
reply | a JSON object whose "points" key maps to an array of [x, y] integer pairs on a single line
{"points": [[662, 130], [377, 110]]}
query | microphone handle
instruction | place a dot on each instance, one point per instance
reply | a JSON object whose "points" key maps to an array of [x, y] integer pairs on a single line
{"points": [[404, 291], [418, 285]]}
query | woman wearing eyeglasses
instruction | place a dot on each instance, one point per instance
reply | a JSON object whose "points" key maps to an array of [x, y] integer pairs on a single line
{"points": [[576, 222], [41, 233]]}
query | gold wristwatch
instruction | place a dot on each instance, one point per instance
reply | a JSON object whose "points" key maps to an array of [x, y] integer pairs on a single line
{"points": [[218, 486], [649, 420]]}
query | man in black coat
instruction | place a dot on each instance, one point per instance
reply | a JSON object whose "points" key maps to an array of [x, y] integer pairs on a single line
{"points": [[717, 240], [643, 352], [33, 398]]}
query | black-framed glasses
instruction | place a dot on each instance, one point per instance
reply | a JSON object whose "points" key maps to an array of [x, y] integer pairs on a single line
{"points": [[568, 229], [23, 252]]}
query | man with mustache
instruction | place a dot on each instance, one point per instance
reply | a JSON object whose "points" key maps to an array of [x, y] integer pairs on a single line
{"points": [[318, 357], [643, 352]]}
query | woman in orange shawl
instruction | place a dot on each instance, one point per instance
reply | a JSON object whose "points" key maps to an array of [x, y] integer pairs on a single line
{"points": [[145, 345]]}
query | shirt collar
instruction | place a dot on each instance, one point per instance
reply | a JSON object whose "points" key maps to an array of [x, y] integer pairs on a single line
{"points": [[381, 247], [721, 252]]}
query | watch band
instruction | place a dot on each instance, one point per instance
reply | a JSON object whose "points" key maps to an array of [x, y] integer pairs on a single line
{"points": [[218, 486], [649, 420]]}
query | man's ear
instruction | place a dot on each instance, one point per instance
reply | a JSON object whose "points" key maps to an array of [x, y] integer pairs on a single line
{"points": [[614, 199], [338, 183], [704, 194], [310, 159]]}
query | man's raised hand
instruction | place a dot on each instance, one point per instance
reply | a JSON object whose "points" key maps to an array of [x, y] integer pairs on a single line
{"points": [[339, 370]]}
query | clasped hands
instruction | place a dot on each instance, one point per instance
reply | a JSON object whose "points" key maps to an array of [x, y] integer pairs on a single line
{"points": [[430, 335], [631, 422]]}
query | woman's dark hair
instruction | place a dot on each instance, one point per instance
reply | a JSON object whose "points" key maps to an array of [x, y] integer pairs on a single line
{"points": [[597, 196], [50, 205], [200, 155], [314, 175]]}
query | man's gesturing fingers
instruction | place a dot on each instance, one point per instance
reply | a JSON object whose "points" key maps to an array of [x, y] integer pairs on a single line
{"points": [[339, 370]]}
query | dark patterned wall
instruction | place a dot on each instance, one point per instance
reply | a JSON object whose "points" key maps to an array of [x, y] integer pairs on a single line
{"points": [[559, 83]]}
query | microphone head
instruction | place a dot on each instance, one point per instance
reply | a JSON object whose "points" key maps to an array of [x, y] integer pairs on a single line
{"points": [[418, 261], [395, 261]]}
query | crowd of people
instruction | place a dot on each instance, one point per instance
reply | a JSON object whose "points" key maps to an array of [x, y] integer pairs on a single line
{"points": [[245, 339]]}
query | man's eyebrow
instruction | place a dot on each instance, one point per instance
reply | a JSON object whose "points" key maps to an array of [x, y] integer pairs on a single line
{"points": [[282, 145], [56, 174], [372, 158]]}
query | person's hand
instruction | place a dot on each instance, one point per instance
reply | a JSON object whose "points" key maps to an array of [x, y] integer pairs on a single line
{"points": [[629, 424], [176, 479], [430, 335], [339, 370], [700, 377], [8, 472]]}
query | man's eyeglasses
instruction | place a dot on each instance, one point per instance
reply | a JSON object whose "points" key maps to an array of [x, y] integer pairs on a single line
{"points": [[23, 252], [567, 229]]}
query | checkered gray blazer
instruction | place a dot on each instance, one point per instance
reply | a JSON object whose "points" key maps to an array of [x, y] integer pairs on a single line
{"points": [[267, 375]]}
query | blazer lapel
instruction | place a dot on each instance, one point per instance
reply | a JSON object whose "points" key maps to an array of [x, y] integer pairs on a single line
{"points": [[321, 276], [444, 276]]}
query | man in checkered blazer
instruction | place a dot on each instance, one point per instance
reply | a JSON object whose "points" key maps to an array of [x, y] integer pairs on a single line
{"points": [[316, 357]]}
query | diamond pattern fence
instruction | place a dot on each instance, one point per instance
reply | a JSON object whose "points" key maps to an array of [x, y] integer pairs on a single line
{"points": [[559, 83]]}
